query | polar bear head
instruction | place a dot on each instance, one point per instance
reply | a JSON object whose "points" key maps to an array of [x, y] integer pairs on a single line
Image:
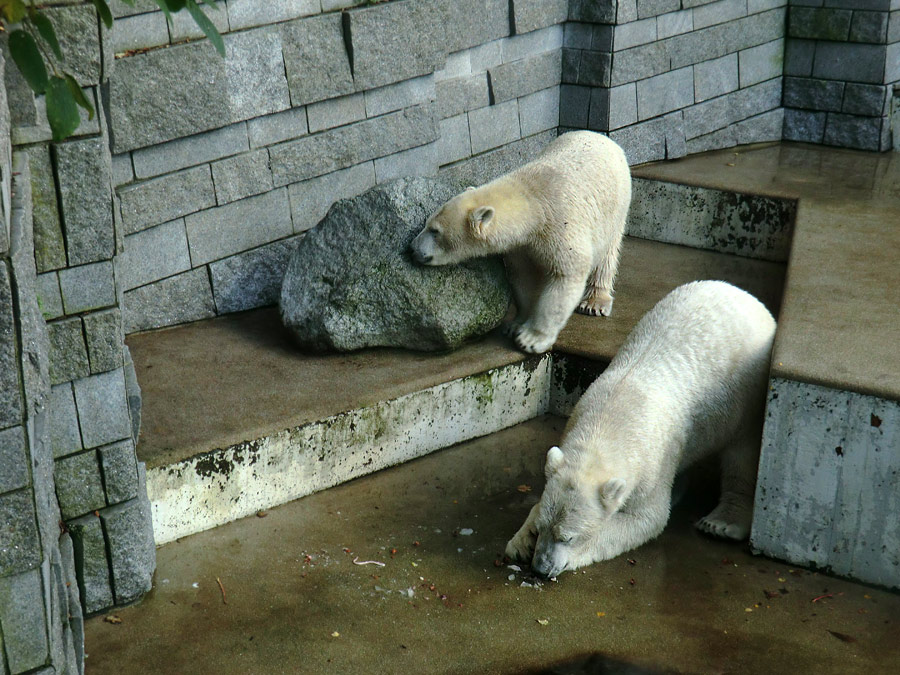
{"points": [[463, 228], [575, 516]]}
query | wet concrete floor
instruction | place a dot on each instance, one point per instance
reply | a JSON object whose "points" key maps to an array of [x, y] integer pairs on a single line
{"points": [[295, 598]]}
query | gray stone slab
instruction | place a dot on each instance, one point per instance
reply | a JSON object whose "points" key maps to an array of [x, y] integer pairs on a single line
{"points": [[79, 484], [798, 57], [249, 13], [278, 127], [79, 40], [20, 546], [166, 94], [336, 112], [647, 8], [812, 94], [254, 73], [574, 105], [489, 165], [716, 77], [91, 565], [632, 34], [525, 76], [226, 230], [638, 63], [23, 614], [352, 144], [163, 199], [494, 126], [122, 169], [762, 128], [154, 254], [49, 298], [420, 161], [183, 26], [401, 95], [105, 339], [869, 27], [850, 62], [10, 391], [242, 176], [674, 23], [539, 111], [88, 287], [454, 143], [102, 408], [719, 12], [251, 279], [186, 297], [819, 23], [49, 245], [804, 125], [622, 106], [827, 493], [475, 22], [484, 56], [866, 99], [461, 94], [14, 460], [139, 31], [664, 93], [457, 64], [643, 142], [190, 151], [65, 435], [83, 169], [853, 131], [315, 59], [119, 8], [133, 392], [132, 551], [529, 15], [761, 63], [718, 113], [68, 354], [120, 477], [311, 199], [530, 44]]}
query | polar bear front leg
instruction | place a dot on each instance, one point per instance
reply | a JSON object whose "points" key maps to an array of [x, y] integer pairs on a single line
{"points": [[521, 546], [553, 308], [732, 518], [523, 281]]}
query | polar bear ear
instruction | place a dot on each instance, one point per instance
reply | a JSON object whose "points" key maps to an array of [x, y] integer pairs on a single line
{"points": [[612, 494], [480, 219], [554, 461]]}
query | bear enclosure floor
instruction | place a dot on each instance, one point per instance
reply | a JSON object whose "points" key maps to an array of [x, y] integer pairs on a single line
{"points": [[285, 591]]}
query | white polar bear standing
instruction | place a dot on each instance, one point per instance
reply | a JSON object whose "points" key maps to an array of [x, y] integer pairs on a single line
{"points": [[689, 380], [559, 220]]}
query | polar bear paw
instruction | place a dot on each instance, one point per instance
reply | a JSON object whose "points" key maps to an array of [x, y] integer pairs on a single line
{"points": [[532, 341], [596, 303], [727, 522], [511, 328], [521, 546]]}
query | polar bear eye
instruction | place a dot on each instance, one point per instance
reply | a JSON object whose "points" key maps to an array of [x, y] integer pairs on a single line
{"points": [[433, 229]]}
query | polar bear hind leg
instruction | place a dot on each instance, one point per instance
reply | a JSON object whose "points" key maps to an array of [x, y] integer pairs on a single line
{"points": [[732, 518], [596, 301]]}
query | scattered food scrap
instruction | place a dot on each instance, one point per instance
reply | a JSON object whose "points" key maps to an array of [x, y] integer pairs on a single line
{"points": [[335, 634], [357, 561], [112, 618], [771, 594], [544, 622], [632, 561], [601, 614], [261, 513], [466, 531], [843, 637], [222, 588], [523, 488], [822, 597]]}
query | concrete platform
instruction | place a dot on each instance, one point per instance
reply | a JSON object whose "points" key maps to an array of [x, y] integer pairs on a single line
{"points": [[292, 599]]}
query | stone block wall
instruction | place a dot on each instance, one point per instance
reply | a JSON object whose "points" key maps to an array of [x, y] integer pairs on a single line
{"points": [[841, 65], [221, 165], [667, 78]]}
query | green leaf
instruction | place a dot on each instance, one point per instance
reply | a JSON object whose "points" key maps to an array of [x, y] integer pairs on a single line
{"points": [[62, 113], [103, 11], [78, 95], [13, 11], [175, 5], [45, 28], [28, 59], [206, 26], [165, 8]]}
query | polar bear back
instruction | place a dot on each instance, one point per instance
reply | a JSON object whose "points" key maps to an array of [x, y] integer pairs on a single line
{"points": [[686, 378]]}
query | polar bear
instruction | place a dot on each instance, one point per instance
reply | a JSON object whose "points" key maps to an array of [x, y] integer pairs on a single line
{"points": [[689, 380], [559, 220]]}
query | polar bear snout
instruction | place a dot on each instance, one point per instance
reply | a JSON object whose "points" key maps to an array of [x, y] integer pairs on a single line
{"points": [[424, 248], [549, 557]]}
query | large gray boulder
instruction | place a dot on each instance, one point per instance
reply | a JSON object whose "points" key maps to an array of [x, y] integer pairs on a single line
{"points": [[351, 282]]}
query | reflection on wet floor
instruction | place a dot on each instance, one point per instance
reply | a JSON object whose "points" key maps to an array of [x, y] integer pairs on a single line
{"points": [[402, 572]]}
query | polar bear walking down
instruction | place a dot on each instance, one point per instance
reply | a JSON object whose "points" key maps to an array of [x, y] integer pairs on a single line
{"points": [[559, 222], [690, 380]]}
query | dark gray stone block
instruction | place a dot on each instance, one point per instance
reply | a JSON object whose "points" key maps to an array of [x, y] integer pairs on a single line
{"points": [[852, 131], [529, 15], [353, 144], [571, 62], [595, 68], [79, 485], [186, 297], [315, 59], [24, 619], [340, 294], [164, 199], [804, 125], [871, 100], [132, 551], [525, 76], [850, 62], [20, 546], [869, 27], [88, 287], [83, 168], [91, 565], [251, 279], [798, 57], [574, 106], [65, 435], [14, 472], [120, 476], [133, 392], [10, 392], [102, 408], [812, 94], [68, 354], [591, 11], [49, 246], [819, 24], [105, 340]]}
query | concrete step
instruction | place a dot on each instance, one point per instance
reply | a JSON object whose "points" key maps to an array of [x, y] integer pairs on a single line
{"points": [[236, 419]]}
